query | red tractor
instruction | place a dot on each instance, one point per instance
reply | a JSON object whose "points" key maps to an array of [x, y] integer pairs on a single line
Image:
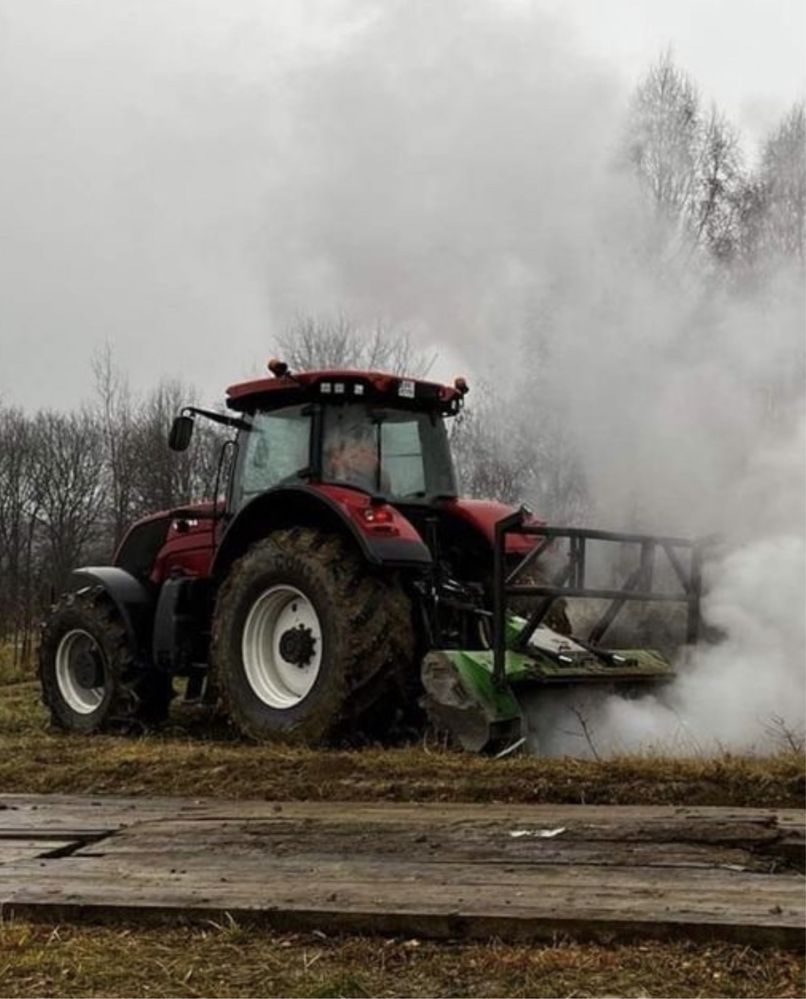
{"points": [[338, 559]]}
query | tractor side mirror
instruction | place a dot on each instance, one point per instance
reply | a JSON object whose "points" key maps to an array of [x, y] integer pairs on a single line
{"points": [[181, 432]]}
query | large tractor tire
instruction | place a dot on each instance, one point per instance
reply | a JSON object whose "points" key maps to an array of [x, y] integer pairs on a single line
{"points": [[307, 642], [90, 681]]}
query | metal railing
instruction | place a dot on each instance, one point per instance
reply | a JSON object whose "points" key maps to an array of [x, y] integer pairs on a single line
{"points": [[570, 580]]}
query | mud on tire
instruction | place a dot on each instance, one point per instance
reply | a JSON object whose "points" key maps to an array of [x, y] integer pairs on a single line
{"points": [[84, 636], [363, 621]]}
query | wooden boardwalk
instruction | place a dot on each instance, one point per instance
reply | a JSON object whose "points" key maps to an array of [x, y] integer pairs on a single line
{"points": [[442, 870]]}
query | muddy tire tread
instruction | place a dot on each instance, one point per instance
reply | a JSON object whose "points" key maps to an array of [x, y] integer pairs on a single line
{"points": [[375, 635], [139, 698]]}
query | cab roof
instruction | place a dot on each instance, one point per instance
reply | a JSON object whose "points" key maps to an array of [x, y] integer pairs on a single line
{"points": [[342, 385]]}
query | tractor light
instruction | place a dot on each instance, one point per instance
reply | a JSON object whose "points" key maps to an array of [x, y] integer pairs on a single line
{"points": [[278, 368], [379, 519], [461, 386]]}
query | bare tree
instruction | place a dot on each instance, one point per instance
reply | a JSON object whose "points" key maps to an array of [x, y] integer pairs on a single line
{"points": [[70, 485], [504, 451], [19, 509], [770, 204], [67, 480], [339, 343], [750, 207], [117, 425], [163, 478], [484, 447], [664, 138], [689, 163], [783, 182], [719, 183]]}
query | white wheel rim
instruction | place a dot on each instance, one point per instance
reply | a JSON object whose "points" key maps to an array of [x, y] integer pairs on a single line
{"points": [[278, 681], [83, 700]]}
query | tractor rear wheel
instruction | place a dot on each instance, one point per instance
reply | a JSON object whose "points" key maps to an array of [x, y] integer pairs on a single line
{"points": [[90, 681], [306, 640]]}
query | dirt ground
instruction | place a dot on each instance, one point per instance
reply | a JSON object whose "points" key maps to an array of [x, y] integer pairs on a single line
{"points": [[193, 758]]}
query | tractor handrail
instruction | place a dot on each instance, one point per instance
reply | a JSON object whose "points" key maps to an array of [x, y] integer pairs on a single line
{"points": [[570, 582], [547, 531]]}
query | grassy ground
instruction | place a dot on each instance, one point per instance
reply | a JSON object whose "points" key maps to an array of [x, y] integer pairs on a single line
{"points": [[191, 758], [249, 961]]}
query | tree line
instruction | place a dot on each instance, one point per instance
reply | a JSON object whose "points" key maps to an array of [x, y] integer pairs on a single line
{"points": [[71, 483], [690, 163], [711, 216]]}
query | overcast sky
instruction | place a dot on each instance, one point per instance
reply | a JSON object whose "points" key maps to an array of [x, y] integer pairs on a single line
{"points": [[170, 168]]}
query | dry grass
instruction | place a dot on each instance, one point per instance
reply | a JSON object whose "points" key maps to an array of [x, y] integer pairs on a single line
{"points": [[194, 758], [247, 960], [12, 668]]}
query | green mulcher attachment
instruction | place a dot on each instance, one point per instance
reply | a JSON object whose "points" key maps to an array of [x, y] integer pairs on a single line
{"points": [[476, 693]]}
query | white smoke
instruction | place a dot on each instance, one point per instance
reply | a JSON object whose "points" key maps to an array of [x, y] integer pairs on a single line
{"points": [[745, 692], [456, 173], [686, 407]]}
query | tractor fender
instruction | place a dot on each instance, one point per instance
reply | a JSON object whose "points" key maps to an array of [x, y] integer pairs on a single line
{"points": [[131, 598], [334, 508]]}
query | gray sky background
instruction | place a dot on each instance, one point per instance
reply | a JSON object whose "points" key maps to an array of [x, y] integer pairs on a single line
{"points": [[179, 177]]}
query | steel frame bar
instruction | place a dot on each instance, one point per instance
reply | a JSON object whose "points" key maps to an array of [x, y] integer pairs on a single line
{"points": [[571, 582]]}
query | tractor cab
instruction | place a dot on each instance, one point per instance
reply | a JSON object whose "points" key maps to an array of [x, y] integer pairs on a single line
{"points": [[378, 449], [373, 432], [369, 431]]}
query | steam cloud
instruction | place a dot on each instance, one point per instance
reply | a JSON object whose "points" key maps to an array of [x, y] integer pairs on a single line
{"points": [[456, 172]]}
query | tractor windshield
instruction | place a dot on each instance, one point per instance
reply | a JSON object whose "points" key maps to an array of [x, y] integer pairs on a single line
{"points": [[398, 453], [276, 448]]}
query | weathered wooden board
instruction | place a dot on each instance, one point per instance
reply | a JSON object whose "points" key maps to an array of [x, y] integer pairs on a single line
{"points": [[21, 848], [515, 871]]}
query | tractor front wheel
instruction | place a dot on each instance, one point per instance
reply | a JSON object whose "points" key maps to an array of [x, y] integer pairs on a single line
{"points": [[307, 640], [90, 681]]}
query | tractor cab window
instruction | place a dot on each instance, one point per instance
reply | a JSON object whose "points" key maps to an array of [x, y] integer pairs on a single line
{"points": [[275, 448], [397, 453]]}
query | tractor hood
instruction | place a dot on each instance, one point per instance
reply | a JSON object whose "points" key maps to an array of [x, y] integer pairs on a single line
{"points": [[482, 516]]}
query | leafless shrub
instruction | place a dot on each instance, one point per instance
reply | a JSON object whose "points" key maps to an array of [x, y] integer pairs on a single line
{"points": [[781, 732], [310, 343]]}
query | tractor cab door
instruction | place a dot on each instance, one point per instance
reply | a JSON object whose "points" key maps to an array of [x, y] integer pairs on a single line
{"points": [[277, 448]]}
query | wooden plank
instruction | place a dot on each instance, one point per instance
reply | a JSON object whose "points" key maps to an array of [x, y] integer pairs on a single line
{"points": [[430, 868], [75, 816], [123, 809], [488, 844], [707, 840], [334, 899], [12, 850]]}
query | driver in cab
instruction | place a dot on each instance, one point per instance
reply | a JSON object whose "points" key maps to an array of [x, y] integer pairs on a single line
{"points": [[352, 457]]}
